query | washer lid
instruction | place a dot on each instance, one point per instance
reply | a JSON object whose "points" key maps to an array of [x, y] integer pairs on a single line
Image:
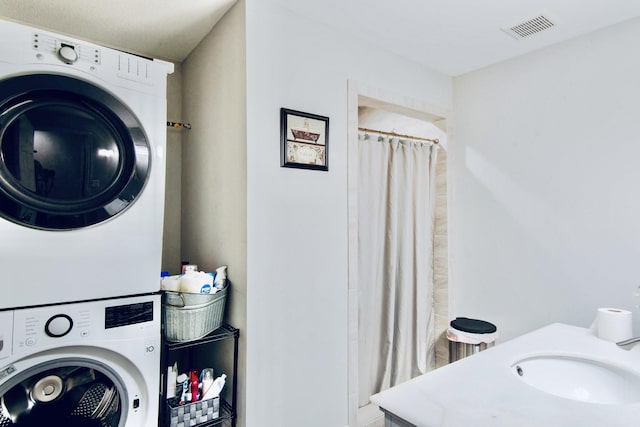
{"points": [[71, 154]]}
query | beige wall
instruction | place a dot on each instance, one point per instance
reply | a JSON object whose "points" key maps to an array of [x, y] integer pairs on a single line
{"points": [[172, 201], [214, 212]]}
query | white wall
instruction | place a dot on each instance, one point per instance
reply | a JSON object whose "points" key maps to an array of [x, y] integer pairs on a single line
{"points": [[297, 219], [544, 180], [214, 218]]}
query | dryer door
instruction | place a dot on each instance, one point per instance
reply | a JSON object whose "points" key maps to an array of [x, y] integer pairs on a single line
{"points": [[71, 392], [71, 154]]}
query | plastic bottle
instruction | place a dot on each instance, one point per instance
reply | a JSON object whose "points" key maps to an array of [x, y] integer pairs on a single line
{"points": [[172, 373], [217, 385], [183, 267], [184, 380], [170, 283], [194, 386], [220, 277], [196, 282], [163, 275]]}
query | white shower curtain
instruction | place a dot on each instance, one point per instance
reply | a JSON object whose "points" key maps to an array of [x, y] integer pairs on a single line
{"points": [[395, 262]]}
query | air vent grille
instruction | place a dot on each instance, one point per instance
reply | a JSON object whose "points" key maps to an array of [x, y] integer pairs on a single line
{"points": [[530, 27]]}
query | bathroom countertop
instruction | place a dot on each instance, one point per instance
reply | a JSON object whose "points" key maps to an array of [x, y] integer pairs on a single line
{"points": [[484, 390]]}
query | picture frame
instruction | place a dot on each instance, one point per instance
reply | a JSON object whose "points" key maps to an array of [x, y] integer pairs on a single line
{"points": [[304, 140]]}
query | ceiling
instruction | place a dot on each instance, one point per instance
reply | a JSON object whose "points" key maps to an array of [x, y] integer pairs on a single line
{"points": [[453, 36], [164, 29], [458, 36]]}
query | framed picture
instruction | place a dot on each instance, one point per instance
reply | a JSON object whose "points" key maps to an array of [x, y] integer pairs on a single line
{"points": [[304, 140]]}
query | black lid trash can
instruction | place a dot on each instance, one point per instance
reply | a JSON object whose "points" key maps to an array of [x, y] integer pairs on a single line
{"points": [[469, 336]]}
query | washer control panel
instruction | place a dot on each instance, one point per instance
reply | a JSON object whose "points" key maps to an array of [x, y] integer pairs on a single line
{"points": [[58, 325], [128, 314], [37, 327], [82, 323], [6, 333]]}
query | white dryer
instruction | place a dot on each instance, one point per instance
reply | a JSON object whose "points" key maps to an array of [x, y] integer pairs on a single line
{"points": [[81, 364], [82, 169]]}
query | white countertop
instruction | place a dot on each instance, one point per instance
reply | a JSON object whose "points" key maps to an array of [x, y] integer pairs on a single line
{"points": [[483, 390]]}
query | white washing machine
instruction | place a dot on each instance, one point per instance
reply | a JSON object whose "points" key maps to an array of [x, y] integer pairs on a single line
{"points": [[81, 364], [82, 169]]}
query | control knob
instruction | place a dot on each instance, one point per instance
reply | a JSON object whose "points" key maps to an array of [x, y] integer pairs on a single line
{"points": [[68, 54], [58, 326]]}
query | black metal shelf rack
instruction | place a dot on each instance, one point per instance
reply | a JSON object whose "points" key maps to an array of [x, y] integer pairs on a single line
{"points": [[227, 409]]}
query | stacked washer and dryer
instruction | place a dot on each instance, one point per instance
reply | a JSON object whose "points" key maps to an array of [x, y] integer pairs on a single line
{"points": [[82, 172]]}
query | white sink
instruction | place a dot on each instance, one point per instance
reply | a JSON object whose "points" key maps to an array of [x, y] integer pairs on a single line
{"points": [[579, 378], [570, 377]]}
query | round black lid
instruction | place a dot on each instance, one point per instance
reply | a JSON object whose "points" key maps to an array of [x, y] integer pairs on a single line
{"points": [[473, 326]]}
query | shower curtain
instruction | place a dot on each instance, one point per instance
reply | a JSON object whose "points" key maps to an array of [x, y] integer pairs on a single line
{"points": [[396, 339]]}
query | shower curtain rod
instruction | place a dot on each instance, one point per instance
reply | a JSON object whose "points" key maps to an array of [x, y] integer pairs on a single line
{"points": [[435, 140]]}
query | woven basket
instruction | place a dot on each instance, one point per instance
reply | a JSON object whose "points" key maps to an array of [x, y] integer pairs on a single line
{"points": [[193, 413], [189, 317]]}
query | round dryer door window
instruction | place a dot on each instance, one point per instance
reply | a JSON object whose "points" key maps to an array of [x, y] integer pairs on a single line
{"points": [[64, 393], [71, 154]]}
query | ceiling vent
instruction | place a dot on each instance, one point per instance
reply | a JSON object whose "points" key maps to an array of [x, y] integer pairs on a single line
{"points": [[530, 27]]}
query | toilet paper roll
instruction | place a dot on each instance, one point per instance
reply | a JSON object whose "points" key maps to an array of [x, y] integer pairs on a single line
{"points": [[613, 324]]}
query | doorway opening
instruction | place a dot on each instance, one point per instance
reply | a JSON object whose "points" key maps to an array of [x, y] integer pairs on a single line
{"points": [[375, 109]]}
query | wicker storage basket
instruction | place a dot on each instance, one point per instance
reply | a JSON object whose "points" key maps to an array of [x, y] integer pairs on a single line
{"points": [[193, 414], [188, 317]]}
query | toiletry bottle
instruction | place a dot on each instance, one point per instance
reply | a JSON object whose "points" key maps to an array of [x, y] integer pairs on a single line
{"points": [[218, 384], [194, 386], [220, 277], [184, 380], [172, 372]]}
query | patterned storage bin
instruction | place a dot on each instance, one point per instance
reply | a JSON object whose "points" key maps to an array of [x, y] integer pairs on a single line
{"points": [[192, 414]]}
